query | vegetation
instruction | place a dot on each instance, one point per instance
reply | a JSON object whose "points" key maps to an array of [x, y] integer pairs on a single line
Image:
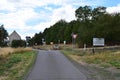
{"points": [[18, 43], [105, 59], [90, 23], [3, 36], [14, 63]]}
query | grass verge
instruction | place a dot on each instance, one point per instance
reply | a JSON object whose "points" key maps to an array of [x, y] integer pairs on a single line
{"points": [[15, 65], [105, 64], [105, 59]]}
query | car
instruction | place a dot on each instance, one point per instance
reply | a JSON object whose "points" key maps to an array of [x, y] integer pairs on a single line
{"points": [[56, 47]]}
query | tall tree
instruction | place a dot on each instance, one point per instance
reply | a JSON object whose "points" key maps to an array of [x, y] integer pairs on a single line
{"points": [[3, 35], [83, 13], [56, 32], [38, 38], [97, 12]]}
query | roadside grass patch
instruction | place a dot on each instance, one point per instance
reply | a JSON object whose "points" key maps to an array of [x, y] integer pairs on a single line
{"points": [[105, 59], [13, 66], [115, 63]]}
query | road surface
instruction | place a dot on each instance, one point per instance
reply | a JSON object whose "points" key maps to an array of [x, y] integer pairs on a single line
{"points": [[52, 65]]}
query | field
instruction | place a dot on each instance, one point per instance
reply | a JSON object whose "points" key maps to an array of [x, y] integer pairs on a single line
{"points": [[15, 62]]}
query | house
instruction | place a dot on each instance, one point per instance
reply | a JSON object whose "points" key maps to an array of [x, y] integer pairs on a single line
{"points": [[14, 36]]}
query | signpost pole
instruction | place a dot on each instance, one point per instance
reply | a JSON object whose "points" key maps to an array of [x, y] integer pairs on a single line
{"points": [[74, 36]]}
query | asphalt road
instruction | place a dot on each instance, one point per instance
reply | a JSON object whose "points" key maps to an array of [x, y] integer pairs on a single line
{"points": [[52, 65]]}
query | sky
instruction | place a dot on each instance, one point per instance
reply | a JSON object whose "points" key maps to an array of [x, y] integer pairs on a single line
{"points": [[28, 17]]}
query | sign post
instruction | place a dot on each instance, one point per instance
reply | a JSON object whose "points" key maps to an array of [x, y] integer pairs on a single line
{"points": [[98, 42], [74, 36]]}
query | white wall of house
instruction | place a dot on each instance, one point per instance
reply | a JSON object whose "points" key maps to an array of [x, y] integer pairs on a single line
{"points": [[14, 36]]}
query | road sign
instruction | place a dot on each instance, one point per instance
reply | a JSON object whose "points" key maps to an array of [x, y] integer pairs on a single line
{"points": [[98, 41], [74, 36]]}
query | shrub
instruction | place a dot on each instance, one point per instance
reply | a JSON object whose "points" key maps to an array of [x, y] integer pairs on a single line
{"points": [[18, 43]]}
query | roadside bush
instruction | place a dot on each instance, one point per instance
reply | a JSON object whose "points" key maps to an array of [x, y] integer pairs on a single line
{"points": [[18, 43]]}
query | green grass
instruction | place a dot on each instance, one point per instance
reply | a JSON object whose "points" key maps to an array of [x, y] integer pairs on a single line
{"points": [[115, 63], [16, 65]]}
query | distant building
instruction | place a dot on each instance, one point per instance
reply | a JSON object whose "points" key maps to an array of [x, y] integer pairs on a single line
{"points": [[14, 36]]}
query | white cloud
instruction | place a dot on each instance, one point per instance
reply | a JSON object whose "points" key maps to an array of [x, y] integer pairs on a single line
{"points": [[114, 9], [17, 19], [65, 12], [5, 5]]}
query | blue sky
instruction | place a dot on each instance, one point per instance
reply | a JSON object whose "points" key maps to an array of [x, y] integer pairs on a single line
{"points": [[28, 17]]}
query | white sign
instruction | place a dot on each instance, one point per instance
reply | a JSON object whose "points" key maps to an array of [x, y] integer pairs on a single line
{"points": [[64, 42], [98, 42]]}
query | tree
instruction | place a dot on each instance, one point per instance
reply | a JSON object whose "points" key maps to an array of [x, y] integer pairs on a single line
{"points": [[83, 13], [97, 12], [89, 23], [56, 32], [3, 35], [114, 30], [38, 38]]}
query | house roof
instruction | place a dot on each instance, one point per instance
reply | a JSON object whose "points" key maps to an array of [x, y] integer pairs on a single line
{"points": [[14, 33]]}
